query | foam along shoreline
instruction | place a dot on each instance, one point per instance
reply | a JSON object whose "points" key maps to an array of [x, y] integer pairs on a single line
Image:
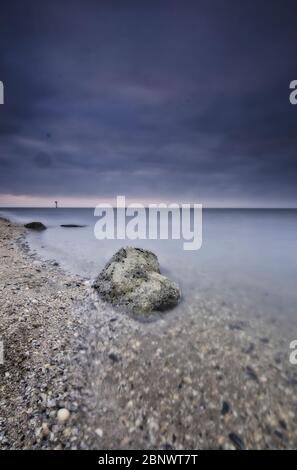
{"points": [[203, 379]]}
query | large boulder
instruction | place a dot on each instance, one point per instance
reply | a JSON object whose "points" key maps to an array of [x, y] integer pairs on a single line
{"points": [[132, 280], [35, 226]]}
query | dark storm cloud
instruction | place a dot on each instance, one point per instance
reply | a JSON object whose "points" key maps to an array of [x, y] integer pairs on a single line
{"points": [[43, 160], [183, 100]]}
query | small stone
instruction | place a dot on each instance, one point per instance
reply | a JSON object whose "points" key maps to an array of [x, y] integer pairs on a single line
{"points": [[44, 429], [135, 345], [251, 373], [237, 441], [187, 380], [283, 424], [51, 403], [167, 446], [113, 357], [125, 442], [63, 415], [225, 408], [272, 421], [138, 422], [258, 437], [221, 441], [67, 432], [99, 432], [248, 349], [237, 325], [278, 358]]}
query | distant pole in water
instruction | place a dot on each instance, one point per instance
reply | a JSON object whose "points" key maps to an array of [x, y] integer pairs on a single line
{"points": [[56, 202]]}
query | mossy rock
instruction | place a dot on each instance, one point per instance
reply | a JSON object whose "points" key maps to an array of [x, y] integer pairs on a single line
{"points": [[132, 280]]}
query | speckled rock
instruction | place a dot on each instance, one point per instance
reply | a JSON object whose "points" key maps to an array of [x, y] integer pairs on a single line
{"points": [[132, 280]]}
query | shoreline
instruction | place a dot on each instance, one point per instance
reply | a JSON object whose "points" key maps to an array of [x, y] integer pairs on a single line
{"points": [[41, 370], [206, 379]]}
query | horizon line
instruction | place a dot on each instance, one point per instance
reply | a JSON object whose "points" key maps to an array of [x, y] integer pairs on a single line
{"points": [[148, 207]]}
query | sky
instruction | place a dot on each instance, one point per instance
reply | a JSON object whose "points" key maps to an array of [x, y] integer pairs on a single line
{"points": [[157, 100]]}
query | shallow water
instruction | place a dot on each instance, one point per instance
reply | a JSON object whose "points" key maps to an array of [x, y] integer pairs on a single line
{"points": [[248, 257]]}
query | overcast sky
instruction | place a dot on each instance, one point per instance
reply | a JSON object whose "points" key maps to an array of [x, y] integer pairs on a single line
{"points": [[153, 99]]}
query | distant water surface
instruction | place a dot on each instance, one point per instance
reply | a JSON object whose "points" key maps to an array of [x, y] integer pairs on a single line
{"points": [[247, 256]]}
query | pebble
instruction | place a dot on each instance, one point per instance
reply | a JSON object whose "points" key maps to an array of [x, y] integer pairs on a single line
{"points": [[113, 357], [251, 373], [99, 432], [225, 408], [237, 441], [45, 429], [63, 415], [188, 380]]}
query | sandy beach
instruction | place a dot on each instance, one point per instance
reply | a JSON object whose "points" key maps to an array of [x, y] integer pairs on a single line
{"points": [[79, 376]]}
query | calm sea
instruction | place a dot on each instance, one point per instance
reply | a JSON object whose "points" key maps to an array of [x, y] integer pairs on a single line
{"points": [[247, 256]]}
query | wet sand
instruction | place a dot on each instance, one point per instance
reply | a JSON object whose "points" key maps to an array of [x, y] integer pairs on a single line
{"points": [[199, 377]]}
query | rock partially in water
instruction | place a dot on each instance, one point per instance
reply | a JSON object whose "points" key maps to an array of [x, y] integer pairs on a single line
{"points": [[35, 226], [132, 280], [72, 226]]}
